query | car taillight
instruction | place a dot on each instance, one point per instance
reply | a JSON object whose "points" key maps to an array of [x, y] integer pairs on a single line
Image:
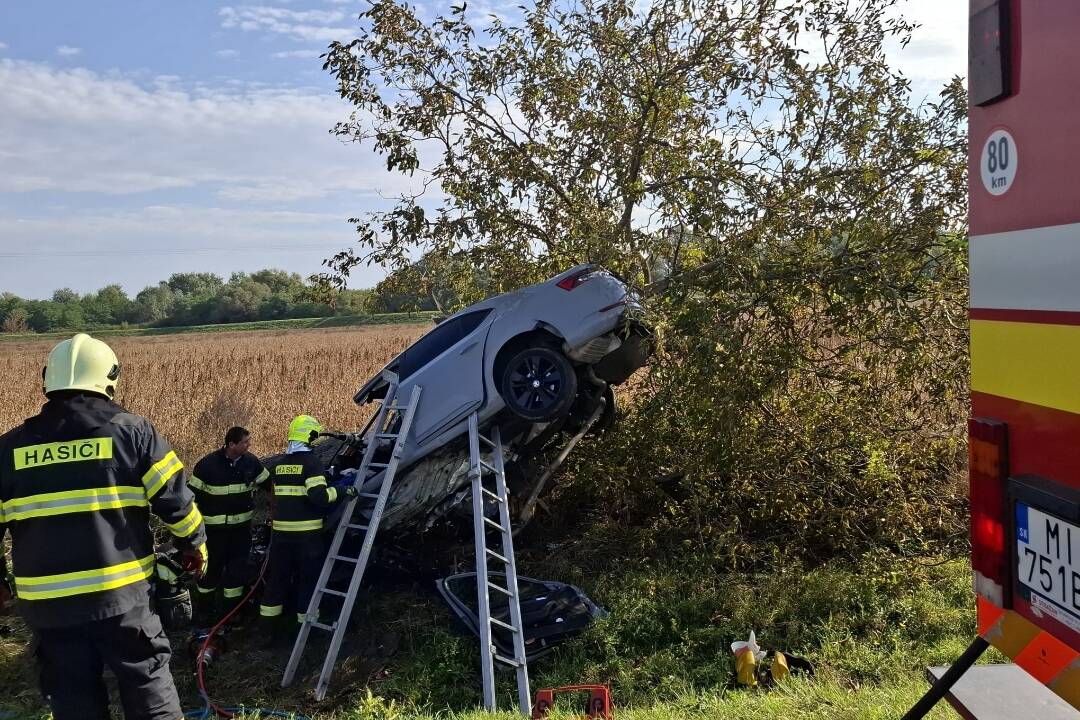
{"points": [[988, 468], [573, 281]]}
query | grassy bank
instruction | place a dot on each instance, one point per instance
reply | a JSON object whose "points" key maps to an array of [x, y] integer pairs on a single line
{"points": [[870, 628], [294, 324]]}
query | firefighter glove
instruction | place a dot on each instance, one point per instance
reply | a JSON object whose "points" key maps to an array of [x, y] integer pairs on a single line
{"points": [[195, 560]]}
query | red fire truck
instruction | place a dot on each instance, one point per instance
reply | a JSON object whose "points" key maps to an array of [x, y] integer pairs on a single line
{"points": [[1024, 432]]}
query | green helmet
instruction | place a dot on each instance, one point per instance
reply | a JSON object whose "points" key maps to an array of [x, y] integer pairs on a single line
{"points": [[304, 428], [82, 363]]}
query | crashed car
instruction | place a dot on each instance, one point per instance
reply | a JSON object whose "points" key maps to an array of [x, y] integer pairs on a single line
{"points": [[540, 362]]}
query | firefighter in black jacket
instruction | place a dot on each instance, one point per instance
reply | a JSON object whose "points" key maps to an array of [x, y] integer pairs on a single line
{"points": [[77, 485], [223, 483], [301, 500]]}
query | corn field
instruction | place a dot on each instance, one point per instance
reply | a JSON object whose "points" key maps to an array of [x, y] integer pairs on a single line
{"points": [[194, 387]]}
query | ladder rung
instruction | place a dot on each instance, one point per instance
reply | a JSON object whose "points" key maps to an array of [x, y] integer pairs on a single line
{"points": [[328, 591], [395, 406], [342, 558], [497, 556], [354, 526], [378, 465], [487, 466], [494, 524], [386, 436], [508, 661], [368, 495], [329, 628], [500, 588], [501, 624], [485, 440], [492, 495]]}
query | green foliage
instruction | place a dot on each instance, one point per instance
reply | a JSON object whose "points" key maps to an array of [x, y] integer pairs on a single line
{"points": [[870, 628], [430, 283], [795, 217], [185, 299]]}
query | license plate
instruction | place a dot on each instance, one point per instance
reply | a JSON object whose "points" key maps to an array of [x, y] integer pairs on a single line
{"points": [[1048, 563]]}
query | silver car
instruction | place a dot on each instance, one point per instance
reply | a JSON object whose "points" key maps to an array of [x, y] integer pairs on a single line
{"points": [[540, 361]]}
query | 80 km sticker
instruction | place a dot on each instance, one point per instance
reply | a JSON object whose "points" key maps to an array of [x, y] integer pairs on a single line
{"points": [[997, 166]]}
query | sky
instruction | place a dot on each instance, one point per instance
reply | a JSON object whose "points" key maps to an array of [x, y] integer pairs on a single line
{"points": [[139, 138]]}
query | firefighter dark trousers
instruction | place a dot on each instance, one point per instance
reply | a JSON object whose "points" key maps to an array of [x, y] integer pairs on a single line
{"points": [[133, 645], [291, 576], [229, 547]]}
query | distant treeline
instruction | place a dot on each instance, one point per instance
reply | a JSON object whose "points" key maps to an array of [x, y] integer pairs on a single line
{"points": [[183, 299]]}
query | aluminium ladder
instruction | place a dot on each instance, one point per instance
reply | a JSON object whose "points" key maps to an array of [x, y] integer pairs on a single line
{"points": [[383, 428], [478, 469]]}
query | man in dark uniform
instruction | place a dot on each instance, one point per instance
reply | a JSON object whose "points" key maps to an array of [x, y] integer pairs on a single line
{"points": [[77, 485], [223, 483], [301, 500]]}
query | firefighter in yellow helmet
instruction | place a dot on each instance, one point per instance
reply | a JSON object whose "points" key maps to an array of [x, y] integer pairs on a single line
{"points": [[78, 482], [297, 548]]}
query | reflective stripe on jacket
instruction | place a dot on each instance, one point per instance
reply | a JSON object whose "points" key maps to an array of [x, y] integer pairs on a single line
{"points": [[301, 495], [77, 485], [223, 489]]}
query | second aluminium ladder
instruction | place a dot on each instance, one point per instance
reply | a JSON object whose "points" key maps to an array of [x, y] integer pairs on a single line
{"points": [[384, 427], [481, 495]]}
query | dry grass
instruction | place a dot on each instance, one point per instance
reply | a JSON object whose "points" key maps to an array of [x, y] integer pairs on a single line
{"points": [[193, 387]]}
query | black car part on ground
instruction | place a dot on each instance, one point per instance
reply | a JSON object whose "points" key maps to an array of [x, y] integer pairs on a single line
{"points": [[551, 612]]}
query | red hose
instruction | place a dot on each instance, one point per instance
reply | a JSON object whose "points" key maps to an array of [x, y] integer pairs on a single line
{"points": [[199, 664]]}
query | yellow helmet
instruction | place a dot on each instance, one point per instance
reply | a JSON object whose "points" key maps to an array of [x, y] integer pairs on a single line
{"points": [[82, 363], [302, 428]]}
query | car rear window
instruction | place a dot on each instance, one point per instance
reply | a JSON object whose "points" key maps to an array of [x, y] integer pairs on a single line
{"points": [[445, 335]]}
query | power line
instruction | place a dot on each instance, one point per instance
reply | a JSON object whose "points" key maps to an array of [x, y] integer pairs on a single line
{"points": [[171, 251]]}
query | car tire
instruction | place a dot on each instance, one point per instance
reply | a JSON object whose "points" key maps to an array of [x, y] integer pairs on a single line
{"points": [[538, 384]]}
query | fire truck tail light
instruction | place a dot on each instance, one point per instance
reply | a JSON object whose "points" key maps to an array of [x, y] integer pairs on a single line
{"points": [[988, 469]]}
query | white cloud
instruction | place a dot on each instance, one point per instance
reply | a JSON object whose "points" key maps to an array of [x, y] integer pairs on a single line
{"points": [[80, 131], [3, 46], [228, 53], [306, 25], [938, 48], [68, 51], [304, 54]]}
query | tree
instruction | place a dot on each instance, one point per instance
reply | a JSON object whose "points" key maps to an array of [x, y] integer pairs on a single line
{"points": [[422, 285], [45, 315], [806, 212], [65, 295], [280, 281], [108, 306], [154, 304], [11, 304], [17, 320], [195, 285], [239, 300]]}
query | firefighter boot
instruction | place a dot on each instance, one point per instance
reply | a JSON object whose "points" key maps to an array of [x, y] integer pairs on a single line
{"points": [[274, 631], [206, 610]]}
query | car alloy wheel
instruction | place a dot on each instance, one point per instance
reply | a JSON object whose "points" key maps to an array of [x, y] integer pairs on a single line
{"points": [[539, 384]]}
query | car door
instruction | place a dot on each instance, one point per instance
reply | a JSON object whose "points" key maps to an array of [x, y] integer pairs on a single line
{"points": [[448, 363]]}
